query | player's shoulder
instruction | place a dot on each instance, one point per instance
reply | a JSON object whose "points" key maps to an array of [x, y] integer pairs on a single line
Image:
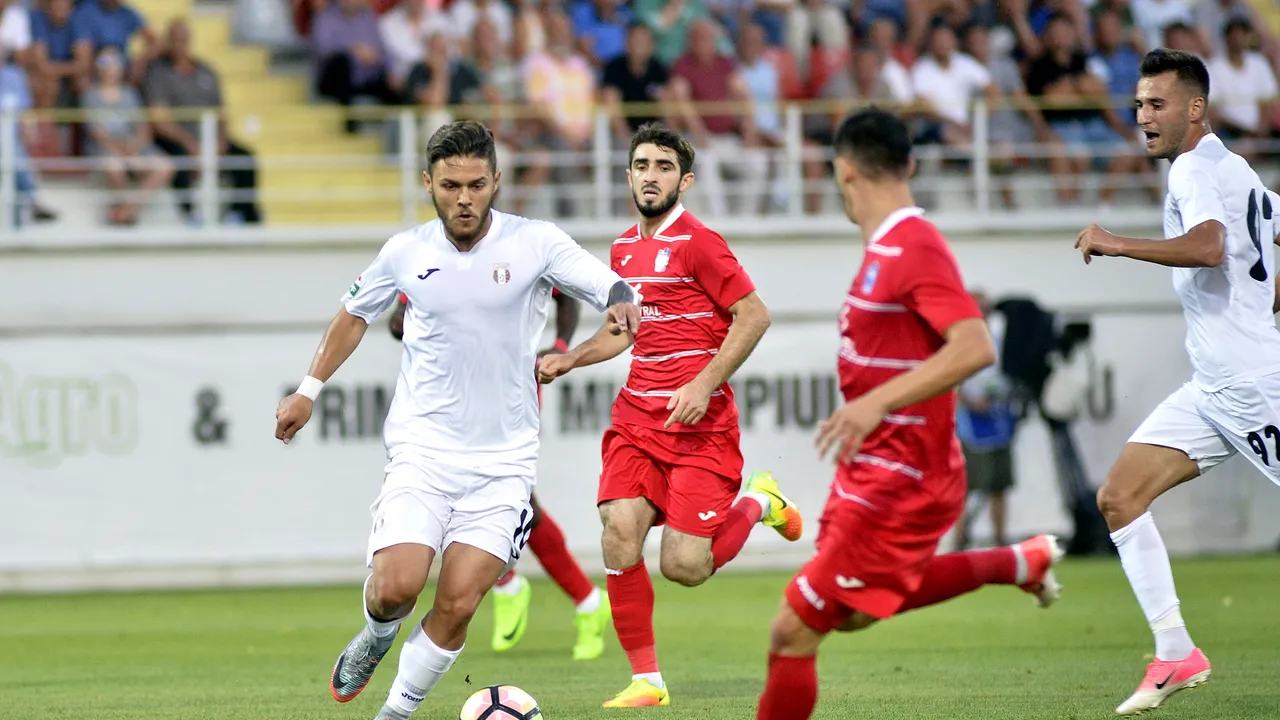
{"points": [[509, 224], [1205, 157], [407, 237], [689, 228], [910, 231]]}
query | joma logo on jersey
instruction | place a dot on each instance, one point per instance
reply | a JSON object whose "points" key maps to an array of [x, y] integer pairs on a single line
{"points": [[501, 273]]}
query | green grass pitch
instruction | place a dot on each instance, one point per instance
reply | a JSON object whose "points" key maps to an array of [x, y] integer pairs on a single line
{"points": [[266, 654]]}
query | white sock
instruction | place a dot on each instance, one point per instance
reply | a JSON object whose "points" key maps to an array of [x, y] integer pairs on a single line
{"points": [[422, 664], [512, 587], [379, 628], [654, 679], [1146, 562], [1020, 566], [766, 503], [592, 603]]}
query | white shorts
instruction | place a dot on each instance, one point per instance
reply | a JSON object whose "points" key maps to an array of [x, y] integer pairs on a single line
{"points": [[425, 503], [1212, 426]]}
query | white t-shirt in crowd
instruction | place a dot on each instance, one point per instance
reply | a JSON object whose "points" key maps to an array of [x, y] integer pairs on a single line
{"points": [[950, 89]]}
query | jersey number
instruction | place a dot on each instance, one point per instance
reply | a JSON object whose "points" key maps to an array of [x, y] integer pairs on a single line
{"points": [[1259, 270], [1259, 447]]}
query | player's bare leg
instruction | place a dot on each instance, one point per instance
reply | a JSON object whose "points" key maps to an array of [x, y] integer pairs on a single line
{"points": [[791, 689], [626, 524], [1027, 565], [399, 574], [1142, 474], [466, 574]]}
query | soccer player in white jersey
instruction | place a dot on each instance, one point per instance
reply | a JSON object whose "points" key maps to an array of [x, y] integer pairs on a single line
{"points": [[1219, 224], [462, 431]]}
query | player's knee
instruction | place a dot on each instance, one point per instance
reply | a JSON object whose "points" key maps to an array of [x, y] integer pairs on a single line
{"points": [[622, 540], [1119, 499], [389, 592], [788, 635], [687, 571], [455, 608]]}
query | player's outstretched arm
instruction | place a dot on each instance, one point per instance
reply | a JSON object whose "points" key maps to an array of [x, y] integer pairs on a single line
{"points": [[1204, 246], [339, 341], [750, 320], [968, 349], [604, 345]]}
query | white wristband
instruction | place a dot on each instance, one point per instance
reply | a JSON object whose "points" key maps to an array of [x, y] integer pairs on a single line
{"points": [[310, 387]]}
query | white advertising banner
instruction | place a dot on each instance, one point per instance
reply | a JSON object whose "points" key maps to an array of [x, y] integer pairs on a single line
{"points": [[150, 459]]}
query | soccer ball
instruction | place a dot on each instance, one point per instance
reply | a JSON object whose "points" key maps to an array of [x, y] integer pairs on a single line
{"points": [[500, 702]]}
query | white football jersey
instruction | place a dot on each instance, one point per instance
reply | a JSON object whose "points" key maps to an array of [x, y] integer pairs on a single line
{"points": [[467, 393], [1231, 331]]}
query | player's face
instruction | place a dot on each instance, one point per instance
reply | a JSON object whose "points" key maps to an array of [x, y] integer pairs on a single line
{"points": [[463, 190], [655, 180], [1166, 111]]}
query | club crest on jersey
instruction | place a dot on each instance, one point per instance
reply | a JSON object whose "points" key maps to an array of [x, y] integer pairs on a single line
{"points": [[501, 273], [355, 286], [660, 262], [869, 278]]}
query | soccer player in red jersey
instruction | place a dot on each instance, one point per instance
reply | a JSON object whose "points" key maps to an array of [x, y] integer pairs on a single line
{"points": [[910, 333], [671, 456], [512, 594]]}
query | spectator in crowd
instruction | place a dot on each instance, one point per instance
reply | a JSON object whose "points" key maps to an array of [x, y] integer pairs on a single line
{"points": [[1153, 16], [57, 78], [947, 81], [1010, 125], [177, 84], [1210, 15], [466, 13], [561, 86], [1244, 90], [350, 59], [1181, 36], [15, 32], [15, 96], [1134, 36], [882, 34], [501, 89], [601, 28], [120, 137], [985, 424], [404, 31], [112, 23], [635, 77], [1078, 111], [727, 143], [672, 22], [815, 22], [769, 14], [438, 79], [1030, 21], [1115, 59]]}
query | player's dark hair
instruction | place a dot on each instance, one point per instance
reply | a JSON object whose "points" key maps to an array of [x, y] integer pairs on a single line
{"points": [[665, 138], [878, 141], [1189, 68], [462, 139]]}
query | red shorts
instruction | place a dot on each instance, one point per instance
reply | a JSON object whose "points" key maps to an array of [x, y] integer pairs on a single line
{"points": [[878, 533], [692, 478]]}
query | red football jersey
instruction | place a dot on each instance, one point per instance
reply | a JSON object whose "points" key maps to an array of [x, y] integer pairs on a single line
{"points": [[906, 295], [687, 278]]}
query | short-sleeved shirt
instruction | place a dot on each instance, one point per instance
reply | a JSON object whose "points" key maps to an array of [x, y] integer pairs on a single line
{"points": [[166, 86], [119, 118], [903, 299], [636, 89], [1045, 71], [59, 40], [1239, 91], [108, 28], [952, 88], [1231, 331], [687, 278], [15, 28], [472, 329], [710, 84]]}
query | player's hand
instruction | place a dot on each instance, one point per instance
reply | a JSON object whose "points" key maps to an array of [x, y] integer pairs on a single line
{"points": [[689, 404], [623, 317], [553, 365], [293, 412], [848, 427], [1093, 242]]}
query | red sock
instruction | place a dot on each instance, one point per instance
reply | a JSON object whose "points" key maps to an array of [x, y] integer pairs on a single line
{"points": [[791, 690], [631, 594], [955, 574], [548, 545], [511, 575], [734, 531]]}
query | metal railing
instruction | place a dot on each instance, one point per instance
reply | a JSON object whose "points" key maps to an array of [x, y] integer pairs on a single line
{"points": [[797, 182]]}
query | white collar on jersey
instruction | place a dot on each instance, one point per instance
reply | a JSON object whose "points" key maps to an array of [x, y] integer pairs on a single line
{"points": [[674, 216], [892, 221]]}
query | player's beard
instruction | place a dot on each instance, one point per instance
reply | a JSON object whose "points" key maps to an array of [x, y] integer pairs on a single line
{"points": [[658, 207], [466, 236]]}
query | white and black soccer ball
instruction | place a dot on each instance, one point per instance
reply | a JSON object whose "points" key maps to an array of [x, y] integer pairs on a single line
{"points": [[500, 702]]}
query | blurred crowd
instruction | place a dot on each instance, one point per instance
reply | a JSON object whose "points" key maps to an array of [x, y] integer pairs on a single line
{"points": [[1058, 75]]}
